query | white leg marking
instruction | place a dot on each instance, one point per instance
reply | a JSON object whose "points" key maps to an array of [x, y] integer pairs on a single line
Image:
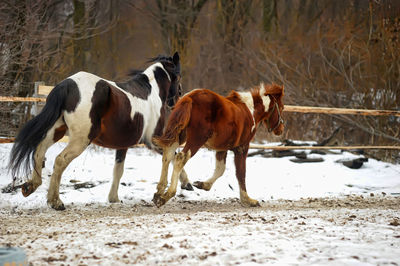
{"points": [[246, 201], [168, 156], [185, 182], [218, 172], [117, 174], [179, 162]]}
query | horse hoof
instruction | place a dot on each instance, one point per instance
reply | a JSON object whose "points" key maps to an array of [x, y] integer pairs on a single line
{"points": [[188, 186], [113, 200], [253, 203], [158, 200], [198, 184], [59, 206], [202, 185], [27, 189]]}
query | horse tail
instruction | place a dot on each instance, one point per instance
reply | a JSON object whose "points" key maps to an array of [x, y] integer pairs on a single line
{"points": [[177, 123], [35, 130]]}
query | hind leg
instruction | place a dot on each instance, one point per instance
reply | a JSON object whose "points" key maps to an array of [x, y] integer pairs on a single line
{"points": [[52, 136], [118, 171], [220, 162], [74, 148], [31, 185]]}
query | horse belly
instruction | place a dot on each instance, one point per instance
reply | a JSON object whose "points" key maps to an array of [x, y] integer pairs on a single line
{"points": [[116, 133], [221, 140], [227, 135]]}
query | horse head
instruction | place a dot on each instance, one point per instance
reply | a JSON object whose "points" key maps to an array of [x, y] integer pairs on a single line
{"points": [[274, 119], [173, 67]]}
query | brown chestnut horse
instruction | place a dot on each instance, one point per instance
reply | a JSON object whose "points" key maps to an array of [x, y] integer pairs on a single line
{"points": [[204, 118]]}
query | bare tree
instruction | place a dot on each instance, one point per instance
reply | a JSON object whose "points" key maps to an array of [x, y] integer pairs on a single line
{"points": [[351, 67], [35, 38], [176, 19]]}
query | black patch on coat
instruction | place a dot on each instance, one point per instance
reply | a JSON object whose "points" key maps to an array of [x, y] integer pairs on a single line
{"points": [[73, 95], [120, 155], [99, 107], [172, 66], [160, 123], [163, 82], [139, 86]]}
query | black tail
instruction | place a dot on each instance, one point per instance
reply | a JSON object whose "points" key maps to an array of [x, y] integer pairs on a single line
{"points": [[62, 97]]}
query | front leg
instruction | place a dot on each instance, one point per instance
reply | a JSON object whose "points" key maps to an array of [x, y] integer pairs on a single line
{"points": [[117, 174], [240, 164], [179, 162], [168, 156]]}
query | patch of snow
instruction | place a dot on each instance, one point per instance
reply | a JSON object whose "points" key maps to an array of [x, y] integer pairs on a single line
{"points": [[266, 178]]}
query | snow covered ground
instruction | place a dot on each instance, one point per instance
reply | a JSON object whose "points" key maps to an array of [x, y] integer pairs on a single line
{"points": [[267, 178], [311, 213]]}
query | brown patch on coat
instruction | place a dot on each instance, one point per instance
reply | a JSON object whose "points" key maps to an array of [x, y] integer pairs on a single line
{"points": [[59, 133], [112, 124]]}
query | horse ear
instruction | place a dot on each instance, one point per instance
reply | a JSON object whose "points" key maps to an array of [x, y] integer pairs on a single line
{"points": [[274, 89], [175, 58]]}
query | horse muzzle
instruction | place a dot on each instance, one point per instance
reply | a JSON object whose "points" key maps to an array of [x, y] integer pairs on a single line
{"points": [[279, 130]]}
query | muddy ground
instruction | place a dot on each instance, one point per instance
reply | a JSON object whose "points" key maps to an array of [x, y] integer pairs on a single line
{"points": [[352, 230]]}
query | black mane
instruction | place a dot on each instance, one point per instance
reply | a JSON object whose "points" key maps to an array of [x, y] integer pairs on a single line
{"points": [[160, 58], [138, 84], [166, 59]]}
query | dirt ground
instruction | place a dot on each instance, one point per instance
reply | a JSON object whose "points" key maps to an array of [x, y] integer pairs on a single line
{"points": [[353, 230]]}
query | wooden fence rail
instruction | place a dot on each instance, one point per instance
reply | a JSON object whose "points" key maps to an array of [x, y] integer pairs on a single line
{"points": [[44, 90], [341, 111], [21, 99], [283, 148]]}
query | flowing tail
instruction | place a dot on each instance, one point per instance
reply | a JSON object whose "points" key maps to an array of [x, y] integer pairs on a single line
{"points": [[35, 130], [177, 122]]}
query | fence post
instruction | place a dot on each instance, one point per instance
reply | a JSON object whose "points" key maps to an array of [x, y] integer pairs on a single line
{"points": [[37, 105]]}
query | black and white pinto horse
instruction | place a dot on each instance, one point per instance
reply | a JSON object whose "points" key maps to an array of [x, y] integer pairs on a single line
{"points": [[95, 110]]}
